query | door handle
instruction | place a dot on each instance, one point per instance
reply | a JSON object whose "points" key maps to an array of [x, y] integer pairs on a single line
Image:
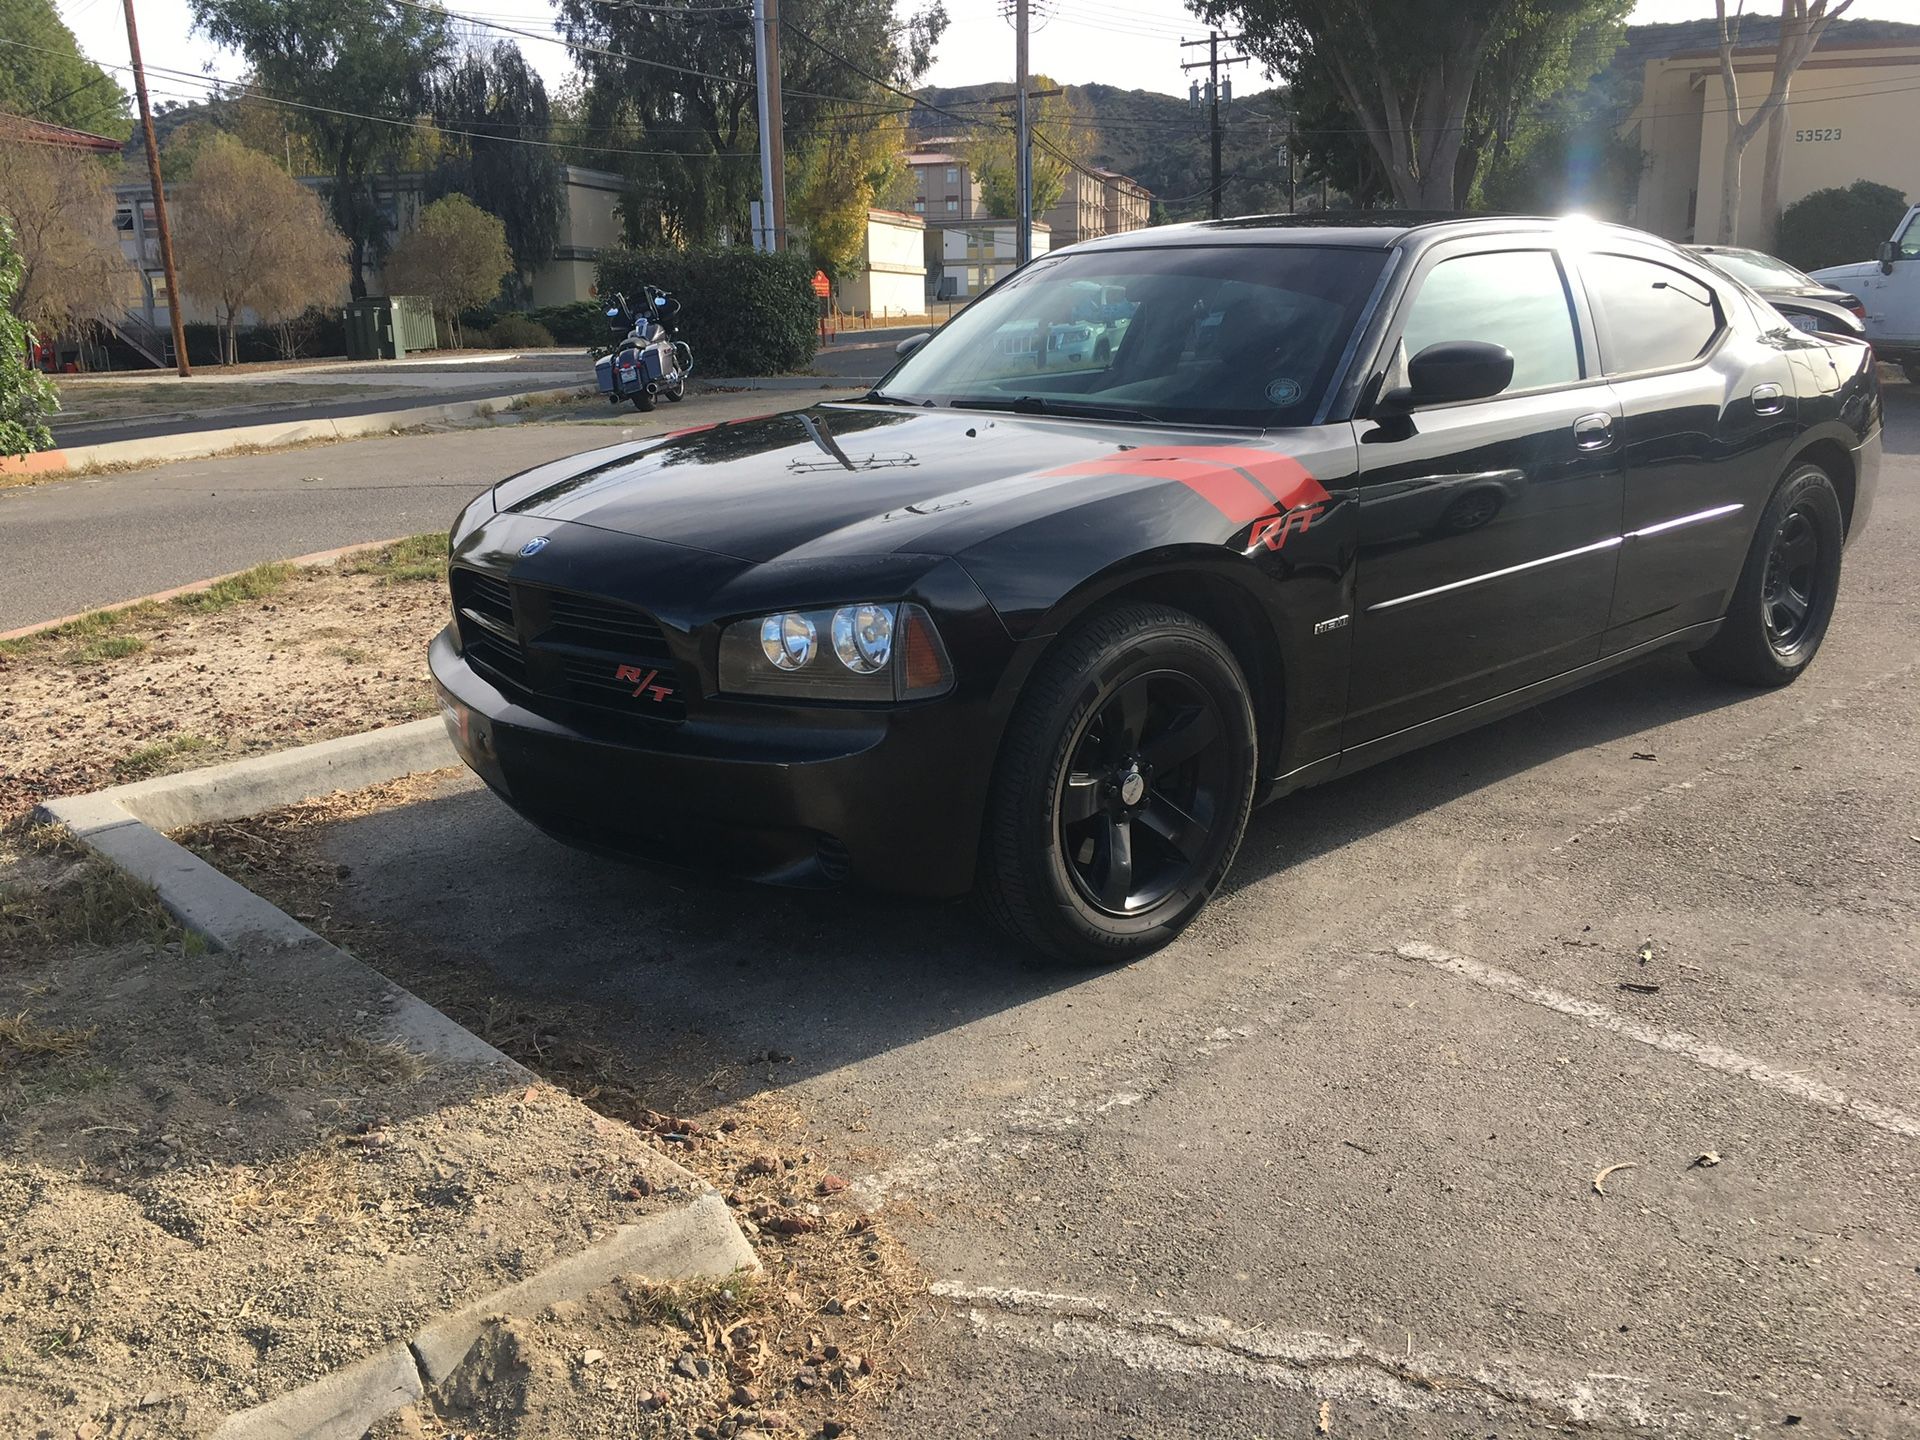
{"points": [[1768, 400], [1593, 432]]}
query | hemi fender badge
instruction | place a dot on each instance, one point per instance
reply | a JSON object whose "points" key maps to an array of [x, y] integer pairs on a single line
{"points": [[1338, 622]]}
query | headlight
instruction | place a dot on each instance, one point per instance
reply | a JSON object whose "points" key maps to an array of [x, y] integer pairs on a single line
{"points": [[873, 651]]}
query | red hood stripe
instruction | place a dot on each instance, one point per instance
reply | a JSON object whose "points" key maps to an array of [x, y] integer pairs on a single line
{"points": [[1242, 482]]}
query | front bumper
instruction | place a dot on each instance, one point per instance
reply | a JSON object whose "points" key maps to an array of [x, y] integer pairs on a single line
{"points": [[810, 796]]}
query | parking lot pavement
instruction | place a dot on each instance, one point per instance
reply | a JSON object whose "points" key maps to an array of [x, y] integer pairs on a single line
{"points": [[1338, 1155]]}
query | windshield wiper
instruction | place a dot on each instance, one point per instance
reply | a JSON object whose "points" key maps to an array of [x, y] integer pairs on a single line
{"points": [[880, 397], [1035, 405]]}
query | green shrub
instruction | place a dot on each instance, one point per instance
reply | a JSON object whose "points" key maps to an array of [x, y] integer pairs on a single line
{"points": [[743, 312], [27, 399], [1838, 226], [578, 324], [518, 332]]}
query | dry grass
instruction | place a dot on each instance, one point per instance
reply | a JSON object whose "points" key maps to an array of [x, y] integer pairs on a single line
{"points": [[24, 1038], [312, 1186], [92, 903], [160, 757]]}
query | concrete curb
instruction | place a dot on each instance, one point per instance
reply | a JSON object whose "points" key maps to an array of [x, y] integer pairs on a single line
{"points": [[700, 1238], [198, 444], [304, 562]]}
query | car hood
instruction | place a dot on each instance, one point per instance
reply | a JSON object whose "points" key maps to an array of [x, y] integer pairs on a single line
{"points": [[838, 479], [1840, 274]]}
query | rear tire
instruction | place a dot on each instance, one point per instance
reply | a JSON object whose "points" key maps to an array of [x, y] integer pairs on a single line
{"points": [[643, 402], [1786, 591], [1122, 788]]}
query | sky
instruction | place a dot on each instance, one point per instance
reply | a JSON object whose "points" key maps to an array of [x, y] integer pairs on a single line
{"points": [[1134, 44]]}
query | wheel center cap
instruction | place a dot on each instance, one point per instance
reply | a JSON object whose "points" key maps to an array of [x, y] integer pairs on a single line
{"points": [[1133, 785]]}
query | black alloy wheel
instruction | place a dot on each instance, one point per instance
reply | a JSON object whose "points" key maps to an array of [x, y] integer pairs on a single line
{"points": [[1792, 584], [1122, 787], [1141, 792], [1780, 606]]}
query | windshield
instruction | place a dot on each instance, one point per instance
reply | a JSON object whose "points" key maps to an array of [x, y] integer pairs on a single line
{"points": [[1753, 268], [1234, 335]]}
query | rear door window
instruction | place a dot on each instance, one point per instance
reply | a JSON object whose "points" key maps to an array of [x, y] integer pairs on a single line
{"points": [[1515, 298], [1652, 316]]}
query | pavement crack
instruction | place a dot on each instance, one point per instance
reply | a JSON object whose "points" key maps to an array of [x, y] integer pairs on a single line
{"points": [[1310, 1361]]}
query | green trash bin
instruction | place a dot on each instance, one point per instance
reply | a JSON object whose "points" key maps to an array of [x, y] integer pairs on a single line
{"points": [[366, 323], [389, 327]]}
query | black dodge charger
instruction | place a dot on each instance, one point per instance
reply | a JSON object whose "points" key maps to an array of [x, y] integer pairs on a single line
{"points": [[1163, 526]]}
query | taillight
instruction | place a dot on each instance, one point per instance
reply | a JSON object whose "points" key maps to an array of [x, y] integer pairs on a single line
{"points": [[1859, 309]]}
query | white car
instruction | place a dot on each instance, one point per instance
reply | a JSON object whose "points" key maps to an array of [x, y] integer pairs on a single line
{"points": [[1889, 286]]}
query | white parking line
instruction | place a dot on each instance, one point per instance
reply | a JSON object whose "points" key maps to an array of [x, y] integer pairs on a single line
{"points": [[1674, 1042], [1077, 1327]]}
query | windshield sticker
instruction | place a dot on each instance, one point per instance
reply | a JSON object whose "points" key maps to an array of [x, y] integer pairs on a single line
{"points": [[1283, 391]]}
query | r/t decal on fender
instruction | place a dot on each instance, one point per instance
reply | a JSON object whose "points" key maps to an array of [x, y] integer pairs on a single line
{"points": [[1273, 531]]}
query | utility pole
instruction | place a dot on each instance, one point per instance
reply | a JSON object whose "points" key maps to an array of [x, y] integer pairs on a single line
{"points": [[159, 198], [1023, 138], [1218, 92], [773, 150]]}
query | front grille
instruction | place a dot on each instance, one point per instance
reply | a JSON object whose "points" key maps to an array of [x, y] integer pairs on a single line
{"points": [[574, 648], [600, 624]]}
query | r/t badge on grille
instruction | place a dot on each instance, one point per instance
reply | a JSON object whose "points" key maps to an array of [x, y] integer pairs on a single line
{"points": [[644, 682]]}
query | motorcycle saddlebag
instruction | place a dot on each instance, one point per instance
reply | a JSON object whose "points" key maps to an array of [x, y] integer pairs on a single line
{"points": [[603, 374]]}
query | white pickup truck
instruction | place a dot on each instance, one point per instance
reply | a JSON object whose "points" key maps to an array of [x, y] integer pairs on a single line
{"points": [[1889, 286]]}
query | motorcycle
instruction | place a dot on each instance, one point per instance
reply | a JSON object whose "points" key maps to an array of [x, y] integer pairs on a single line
{"points": [[645, 360]]}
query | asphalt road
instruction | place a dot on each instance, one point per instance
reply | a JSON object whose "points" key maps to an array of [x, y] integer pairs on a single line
{"points": [[396, 387], [1338, 1146], [90, 540]]}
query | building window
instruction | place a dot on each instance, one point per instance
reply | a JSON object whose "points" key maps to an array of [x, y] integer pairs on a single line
{"points": [[953, 174], [953, 205], [920, 204]]}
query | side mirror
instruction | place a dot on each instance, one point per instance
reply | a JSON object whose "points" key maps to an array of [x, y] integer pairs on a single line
{"points": [[1450, 371], [912, 343], [1885, 256]]}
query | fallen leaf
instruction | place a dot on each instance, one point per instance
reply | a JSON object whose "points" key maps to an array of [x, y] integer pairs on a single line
{"points": [[1709, 1159], [1324, 1425], [1599, 1186]]}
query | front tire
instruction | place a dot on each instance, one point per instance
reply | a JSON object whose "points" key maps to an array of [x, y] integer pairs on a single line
{"points": [[1122, 788], [1786, 591]]}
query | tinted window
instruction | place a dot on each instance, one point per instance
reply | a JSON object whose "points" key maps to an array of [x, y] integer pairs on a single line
{"points": [[1515, 298], [1654, 317], [1228, 335]]}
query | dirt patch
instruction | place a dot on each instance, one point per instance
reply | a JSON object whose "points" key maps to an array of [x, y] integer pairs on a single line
{"points": [[218, 1183], [805, 1351], [273, 658]]}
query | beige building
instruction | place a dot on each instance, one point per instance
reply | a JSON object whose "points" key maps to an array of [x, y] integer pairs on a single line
{"points": [[1104, 202], [944, 185], [893, 270], [1853, 114]]}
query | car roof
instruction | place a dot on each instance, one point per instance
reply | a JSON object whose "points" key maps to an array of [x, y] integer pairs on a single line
{"points": [[1351, 229]]}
